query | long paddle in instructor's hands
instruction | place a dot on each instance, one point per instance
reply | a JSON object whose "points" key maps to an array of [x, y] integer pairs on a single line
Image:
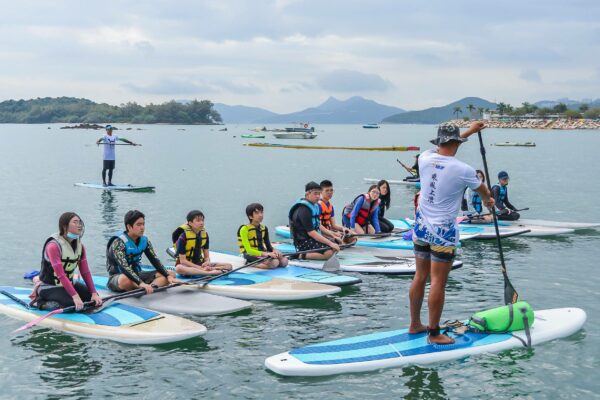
{"points": [[510, 294]]}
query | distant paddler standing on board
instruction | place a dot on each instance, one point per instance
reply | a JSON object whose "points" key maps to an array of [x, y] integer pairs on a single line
{"points": [[109, 142], [435, 235]]}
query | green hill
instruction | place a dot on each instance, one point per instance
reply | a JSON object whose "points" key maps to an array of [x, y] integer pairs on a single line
{"points": [[73, 110], [436, 115]]}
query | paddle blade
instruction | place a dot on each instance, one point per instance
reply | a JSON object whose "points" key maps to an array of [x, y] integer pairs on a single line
{"points": [[333, 264], [510, 294], [38, 320]]}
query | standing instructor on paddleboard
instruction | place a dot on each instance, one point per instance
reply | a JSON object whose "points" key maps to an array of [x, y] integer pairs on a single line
{"points": [[435, 235], [108, 159]]}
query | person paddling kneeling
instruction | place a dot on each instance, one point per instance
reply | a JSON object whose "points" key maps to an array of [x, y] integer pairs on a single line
{"points": [[63, 253], [305, 225], [124, 258], [435, 234], [253, 240], [191, 243]]}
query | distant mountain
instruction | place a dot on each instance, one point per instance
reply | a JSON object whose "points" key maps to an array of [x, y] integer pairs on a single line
{"points": [[242, 114], [436, 115], [572, 104], [355, 110]]}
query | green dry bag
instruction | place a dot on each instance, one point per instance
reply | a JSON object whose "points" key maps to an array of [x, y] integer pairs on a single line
{"points": [[508, 318]]}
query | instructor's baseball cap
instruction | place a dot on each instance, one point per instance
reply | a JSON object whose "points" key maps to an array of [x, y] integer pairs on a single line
{"points": [[446, 133], [502, 175], [107, 127], [312, 186]]}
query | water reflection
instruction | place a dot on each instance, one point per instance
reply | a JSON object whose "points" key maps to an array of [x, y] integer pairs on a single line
{"points": [[423, 383], [108, 211], [67, 364]]}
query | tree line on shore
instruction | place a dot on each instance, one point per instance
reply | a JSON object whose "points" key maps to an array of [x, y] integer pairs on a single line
{"points": [[73, 110], [561, 109]]}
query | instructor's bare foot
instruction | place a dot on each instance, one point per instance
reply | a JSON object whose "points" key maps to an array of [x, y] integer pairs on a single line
{"points": [[440, 339], [419, 328]]}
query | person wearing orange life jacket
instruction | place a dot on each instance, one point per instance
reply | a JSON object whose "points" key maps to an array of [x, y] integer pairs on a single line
{"points": [[362, 214], [305, 226], [328, 216]]}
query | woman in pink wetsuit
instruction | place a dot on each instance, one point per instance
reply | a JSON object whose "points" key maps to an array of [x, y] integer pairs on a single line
{"points": [[63, 253]]}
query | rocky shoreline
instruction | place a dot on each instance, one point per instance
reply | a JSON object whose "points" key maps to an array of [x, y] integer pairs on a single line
{"points": [[561, 123]]}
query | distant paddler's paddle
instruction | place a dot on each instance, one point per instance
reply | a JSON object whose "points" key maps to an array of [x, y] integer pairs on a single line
{"points": [[410, 170], [510, 294], [119, 144]]}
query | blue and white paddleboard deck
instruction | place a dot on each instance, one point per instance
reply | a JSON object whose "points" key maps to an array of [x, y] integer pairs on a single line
{"points": [[389, 242], [253, 287], [125, 188], [398, 348], [117, 322], [353, 260], [385, 242], [528, 229], [291, 272]]}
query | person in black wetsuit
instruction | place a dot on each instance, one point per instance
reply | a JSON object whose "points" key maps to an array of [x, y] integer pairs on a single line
{"points": [[506, 211], [385, 196]]}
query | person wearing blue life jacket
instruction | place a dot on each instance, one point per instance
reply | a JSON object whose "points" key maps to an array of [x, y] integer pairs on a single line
{"points": [[473, 206], [505, 210], [124, 253], [305, 226]]}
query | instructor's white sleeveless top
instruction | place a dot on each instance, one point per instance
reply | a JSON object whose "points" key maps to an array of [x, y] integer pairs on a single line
{"points": [[443, 181]]}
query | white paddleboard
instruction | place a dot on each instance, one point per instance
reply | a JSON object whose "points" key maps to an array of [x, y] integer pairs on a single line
{"points": [[187, 300], [117, 322], [398, 348], [394, 182], [291, 272], [254, 287], [127, 188], [363, 262], [558, 224]]}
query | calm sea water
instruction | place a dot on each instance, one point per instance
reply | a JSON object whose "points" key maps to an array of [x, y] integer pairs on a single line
{"points": [[200, 167]]}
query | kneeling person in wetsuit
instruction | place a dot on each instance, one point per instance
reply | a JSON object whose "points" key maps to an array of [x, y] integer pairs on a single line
{"points": [[506, 211], [63, 253], [191, 243], [124, 255], [305, 225], [253, 240]]}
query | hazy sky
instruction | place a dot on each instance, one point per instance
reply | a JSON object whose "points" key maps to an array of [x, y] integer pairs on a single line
{"points": [[285, 55]]}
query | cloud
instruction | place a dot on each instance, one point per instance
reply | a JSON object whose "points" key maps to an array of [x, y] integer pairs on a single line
{"points": [[343, 80], [187, 86], [530, 75], [170, 87]]}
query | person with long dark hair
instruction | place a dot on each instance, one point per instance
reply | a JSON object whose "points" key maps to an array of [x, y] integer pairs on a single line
{"points": [[362, 215], [385, 196], [62, 254]]}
